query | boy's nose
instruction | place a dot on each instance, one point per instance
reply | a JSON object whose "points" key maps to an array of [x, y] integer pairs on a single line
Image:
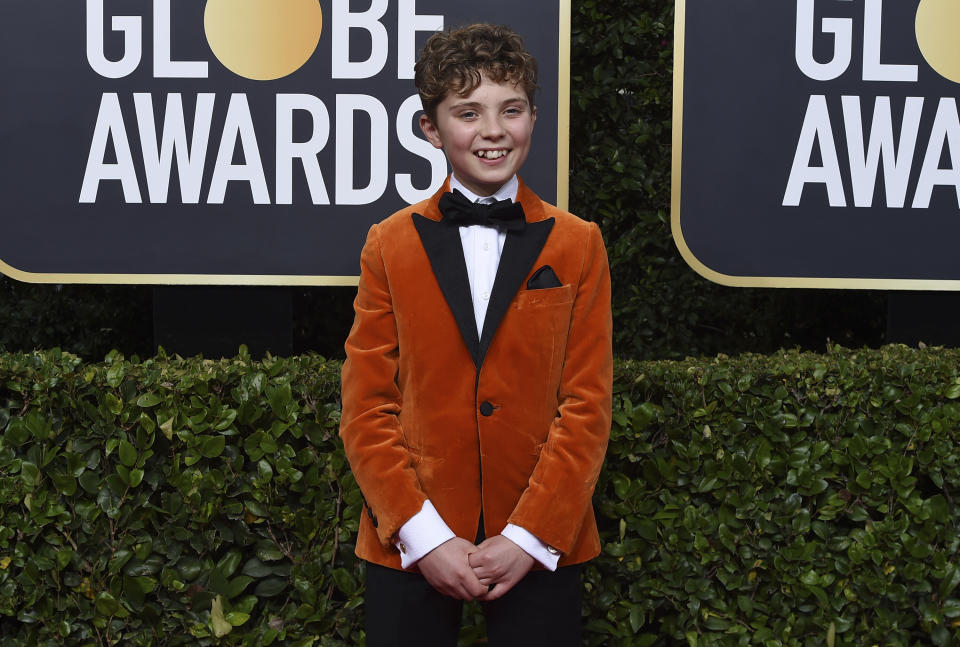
{"points": [[491, 128]]}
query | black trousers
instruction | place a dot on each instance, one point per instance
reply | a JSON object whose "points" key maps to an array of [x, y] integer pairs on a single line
{"points": [[403, 610]]}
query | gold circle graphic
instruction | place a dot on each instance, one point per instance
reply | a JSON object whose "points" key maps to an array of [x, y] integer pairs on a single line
{"points": [[936, 26], [263, 39]]}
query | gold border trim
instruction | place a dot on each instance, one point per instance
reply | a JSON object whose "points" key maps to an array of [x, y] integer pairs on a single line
{"points": [[563, 191], [563, 107], [753, 281], [178, 279]]}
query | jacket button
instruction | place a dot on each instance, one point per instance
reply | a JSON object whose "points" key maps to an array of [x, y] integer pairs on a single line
{"points": [[486, 409]]}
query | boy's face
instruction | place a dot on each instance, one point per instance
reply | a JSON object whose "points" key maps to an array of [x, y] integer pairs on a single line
{"points": [[486, 134]]}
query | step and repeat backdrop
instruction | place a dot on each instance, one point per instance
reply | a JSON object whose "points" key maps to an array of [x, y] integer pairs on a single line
{"points": [[231, 141], [817, 142]]}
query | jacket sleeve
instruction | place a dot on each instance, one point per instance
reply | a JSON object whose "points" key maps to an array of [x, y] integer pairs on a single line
{"points": [[369, 425], [560, 490]]}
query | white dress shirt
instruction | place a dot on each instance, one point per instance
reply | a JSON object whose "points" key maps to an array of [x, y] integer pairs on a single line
{"points": [[482, 247]]}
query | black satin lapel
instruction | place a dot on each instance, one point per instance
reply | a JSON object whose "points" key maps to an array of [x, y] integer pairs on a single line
{"points": [[520, 251], [445, 251]]}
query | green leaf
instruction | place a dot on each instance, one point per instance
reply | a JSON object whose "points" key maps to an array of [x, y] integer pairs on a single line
{"points": [[212, 446], [344, 580], [115, 376], [136, 477], [120, 557], [270, 587], [636, 618], [149, 400], [127, 453], [65, 483], [167, 428], [268, 445], [255, 568], [820, 594], [229, 563], [190, 568], [106, 604], [950, 581], [267, 552], [279, 397], [257, 509], [142, 583], [114, 404], [29, 474], [236, 618], [237, 585], [264, 471], [90, 482], [143, 549], [246, 604], [217, 620], [38, 425], [938, 507], [64, 555], [17, 432]]}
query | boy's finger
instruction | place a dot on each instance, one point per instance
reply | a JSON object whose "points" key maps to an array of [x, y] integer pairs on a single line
{"points": [[497, 591], [482, 572], [474, 588]]}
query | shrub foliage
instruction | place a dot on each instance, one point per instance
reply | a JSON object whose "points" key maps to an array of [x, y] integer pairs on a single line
{"points": [[795, 499], [174, 502]]}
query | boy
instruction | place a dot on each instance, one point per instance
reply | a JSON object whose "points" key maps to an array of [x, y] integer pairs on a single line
{"points": [[477, 386]]}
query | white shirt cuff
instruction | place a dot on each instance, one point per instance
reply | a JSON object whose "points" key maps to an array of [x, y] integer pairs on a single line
{"points": [[421, 533], [532, 546]]}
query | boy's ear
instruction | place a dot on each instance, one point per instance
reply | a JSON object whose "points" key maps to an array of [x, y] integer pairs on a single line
{"points": [[430, 131]]}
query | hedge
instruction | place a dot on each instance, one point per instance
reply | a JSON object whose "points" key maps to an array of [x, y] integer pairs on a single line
{"points": [[792, 499]]}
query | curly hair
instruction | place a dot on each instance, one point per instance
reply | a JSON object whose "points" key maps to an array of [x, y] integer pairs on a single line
{"points": [[456, 60]]}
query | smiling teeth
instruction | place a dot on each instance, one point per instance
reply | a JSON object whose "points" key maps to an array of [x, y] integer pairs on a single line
{"points": [[491, 154]]}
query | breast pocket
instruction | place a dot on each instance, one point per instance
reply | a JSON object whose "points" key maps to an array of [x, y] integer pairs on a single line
{"points": [[546, 297], [543, 316]]}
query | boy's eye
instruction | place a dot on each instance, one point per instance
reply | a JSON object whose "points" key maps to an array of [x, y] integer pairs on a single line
{"points": [[469, 114]]}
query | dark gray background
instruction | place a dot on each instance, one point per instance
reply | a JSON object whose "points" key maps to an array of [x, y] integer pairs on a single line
{"points": [[744, 100], [49, 110]]}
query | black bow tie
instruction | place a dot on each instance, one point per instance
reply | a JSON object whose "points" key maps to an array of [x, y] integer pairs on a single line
{"points": [[504, 214]]}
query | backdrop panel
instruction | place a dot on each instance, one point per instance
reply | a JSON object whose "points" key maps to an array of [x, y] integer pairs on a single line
{"points": [[817, 143], [230, 141]]}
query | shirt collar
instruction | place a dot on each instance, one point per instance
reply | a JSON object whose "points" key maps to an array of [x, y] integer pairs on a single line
{"points": [[507, 192]]}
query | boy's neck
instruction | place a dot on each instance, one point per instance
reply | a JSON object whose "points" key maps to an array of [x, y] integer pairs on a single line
{"points": [[506, 192]]}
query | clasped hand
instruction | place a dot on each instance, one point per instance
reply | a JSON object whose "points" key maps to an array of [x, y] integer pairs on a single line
{"points": [[458, 569]]}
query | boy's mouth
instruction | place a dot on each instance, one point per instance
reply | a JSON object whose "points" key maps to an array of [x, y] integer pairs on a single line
{"points": [[492, 154]]}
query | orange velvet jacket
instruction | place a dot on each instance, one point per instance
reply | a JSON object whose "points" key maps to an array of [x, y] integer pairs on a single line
{"points": [[513, 422]]}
